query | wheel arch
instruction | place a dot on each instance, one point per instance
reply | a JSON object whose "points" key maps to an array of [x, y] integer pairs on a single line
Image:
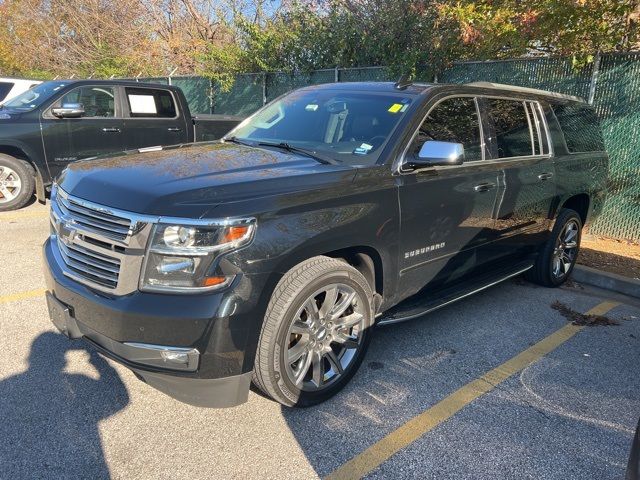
{"points": [[22, 154], [367, 261], [580, 203]]}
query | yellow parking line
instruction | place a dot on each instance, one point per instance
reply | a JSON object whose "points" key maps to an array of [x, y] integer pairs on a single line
{"points": [[411, 431], [18, 216], [14, 297]]}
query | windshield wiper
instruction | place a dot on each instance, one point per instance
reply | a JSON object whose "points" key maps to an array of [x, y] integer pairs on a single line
{"points": [[290, 148], [236, 140]]}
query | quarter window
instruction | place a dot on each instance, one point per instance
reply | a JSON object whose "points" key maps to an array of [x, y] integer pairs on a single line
{"points": [[580, 126], [452, 120], [96, 101], [150, 103]]}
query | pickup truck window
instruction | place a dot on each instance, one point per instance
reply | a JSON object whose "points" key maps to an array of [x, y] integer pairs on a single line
{"points": [[581, 128], [349, 127], [150, 103], [32, 99], [97, 101], [452, 120], [511, 127]]}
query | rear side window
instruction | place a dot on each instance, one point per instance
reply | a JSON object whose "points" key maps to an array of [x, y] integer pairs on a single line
{"points": [[453, 120], [150, 103], [512, 128], [580, 126], [5, 88]]}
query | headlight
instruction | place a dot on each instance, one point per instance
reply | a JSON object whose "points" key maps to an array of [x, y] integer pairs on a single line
{"points": [[181, 257]]}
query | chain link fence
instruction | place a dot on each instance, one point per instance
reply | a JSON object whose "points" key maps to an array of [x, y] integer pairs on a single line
{"points": [[611, 83]]}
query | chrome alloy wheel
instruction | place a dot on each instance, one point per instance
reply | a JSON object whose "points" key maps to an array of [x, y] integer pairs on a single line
{"points": [[324, 337], [566, 249], [10, 184]]}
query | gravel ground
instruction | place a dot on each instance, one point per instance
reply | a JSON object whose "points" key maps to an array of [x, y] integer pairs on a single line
{"points": [[66, 412], [614, 256]]}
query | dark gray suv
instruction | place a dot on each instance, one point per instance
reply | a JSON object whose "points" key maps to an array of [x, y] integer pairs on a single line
{"points": [[267, 257]]}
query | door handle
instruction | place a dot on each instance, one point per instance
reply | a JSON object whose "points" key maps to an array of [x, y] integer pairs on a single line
{"points": [[111, 130], [484, 187], [174, 129], [545, 176]]}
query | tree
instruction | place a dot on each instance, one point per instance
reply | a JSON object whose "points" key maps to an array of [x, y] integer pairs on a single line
{"points": [[579, 28]]}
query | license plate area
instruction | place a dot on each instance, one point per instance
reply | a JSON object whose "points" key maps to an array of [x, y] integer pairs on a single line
{"points": [[62, 317]]}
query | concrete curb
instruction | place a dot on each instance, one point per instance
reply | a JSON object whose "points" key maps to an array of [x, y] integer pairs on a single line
{"points": [[606, 280]]}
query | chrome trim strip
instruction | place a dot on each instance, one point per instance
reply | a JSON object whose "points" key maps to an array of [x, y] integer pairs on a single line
{"points": [[79, 257], [97, 256], [531, 137], [444, 304]]}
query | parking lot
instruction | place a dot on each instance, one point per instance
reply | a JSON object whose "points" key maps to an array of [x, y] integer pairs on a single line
{"points": [[498, 385]]}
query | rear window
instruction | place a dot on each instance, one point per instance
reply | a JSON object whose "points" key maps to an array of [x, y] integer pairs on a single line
{"points": [[580, 126], [5, 88], [150, 103]]}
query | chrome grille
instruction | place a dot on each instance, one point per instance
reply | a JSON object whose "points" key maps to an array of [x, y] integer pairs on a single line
{"points": [[95, 219], [98, 268], [98, 246]]}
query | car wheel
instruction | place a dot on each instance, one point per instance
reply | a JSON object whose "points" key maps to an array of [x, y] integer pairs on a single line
{"points": [[17, 183], [315, 333], [558, 255]]}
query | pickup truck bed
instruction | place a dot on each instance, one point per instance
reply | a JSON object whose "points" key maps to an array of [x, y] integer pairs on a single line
{"points": [[213, 127]]}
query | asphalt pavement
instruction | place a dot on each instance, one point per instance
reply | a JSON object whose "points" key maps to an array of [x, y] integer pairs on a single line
{"points": [[565, 412]]}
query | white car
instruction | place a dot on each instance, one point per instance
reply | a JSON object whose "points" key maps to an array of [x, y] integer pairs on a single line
{"points": [[10, 87]]}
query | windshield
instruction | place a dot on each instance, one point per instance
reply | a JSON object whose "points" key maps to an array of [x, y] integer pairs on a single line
{"points": [[350, 127], [34, 97]]}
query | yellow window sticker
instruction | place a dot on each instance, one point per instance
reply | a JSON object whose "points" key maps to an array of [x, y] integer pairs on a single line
{"points": [[396, 107]]}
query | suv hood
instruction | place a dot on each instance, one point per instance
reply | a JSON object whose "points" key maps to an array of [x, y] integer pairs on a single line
{"points": [[190, 180]]}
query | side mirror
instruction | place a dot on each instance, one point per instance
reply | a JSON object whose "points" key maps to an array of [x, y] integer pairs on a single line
{"points": [[69, 110], [435, 154]]}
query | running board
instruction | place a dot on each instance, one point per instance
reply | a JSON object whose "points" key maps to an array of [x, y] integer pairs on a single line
{"points": [[421, 304]]}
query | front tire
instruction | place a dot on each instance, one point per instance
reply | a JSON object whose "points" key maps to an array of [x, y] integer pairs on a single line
{"points": [[558, 256], [315, 333], [17, 183]]}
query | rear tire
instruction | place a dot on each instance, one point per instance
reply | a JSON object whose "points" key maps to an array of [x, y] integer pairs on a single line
{"points": [[17, 183], [315, 332], [558, 255]]}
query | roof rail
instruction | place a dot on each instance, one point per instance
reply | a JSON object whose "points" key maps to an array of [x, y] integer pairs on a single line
{"points": [[514, 88]]}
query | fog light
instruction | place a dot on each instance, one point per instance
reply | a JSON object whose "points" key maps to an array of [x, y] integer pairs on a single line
{"points": [[175, 357], [162, 356]]}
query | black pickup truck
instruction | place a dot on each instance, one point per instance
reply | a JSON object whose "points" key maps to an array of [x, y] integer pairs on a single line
{"points": [[270, 255], [58, 122]]}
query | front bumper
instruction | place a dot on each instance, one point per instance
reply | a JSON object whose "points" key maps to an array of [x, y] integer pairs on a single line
{"points": [[219, 330]]}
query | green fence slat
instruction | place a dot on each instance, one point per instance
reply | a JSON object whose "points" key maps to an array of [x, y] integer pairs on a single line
{"points": [[244, 97], [197, 90]]}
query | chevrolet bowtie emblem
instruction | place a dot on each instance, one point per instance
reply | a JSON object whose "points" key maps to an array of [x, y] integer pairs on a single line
{"points": [[66, 233]]}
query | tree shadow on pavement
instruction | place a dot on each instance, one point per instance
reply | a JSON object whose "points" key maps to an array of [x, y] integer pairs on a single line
{"points": [[49, 417]]}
